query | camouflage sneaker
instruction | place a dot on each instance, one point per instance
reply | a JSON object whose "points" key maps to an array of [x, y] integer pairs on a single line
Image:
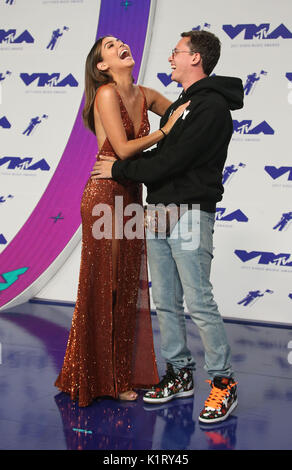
{"points": [[221, 401], [172, 385]]}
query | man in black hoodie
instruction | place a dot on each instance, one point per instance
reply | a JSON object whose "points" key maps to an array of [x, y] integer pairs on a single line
{"points": [[186, 169]]}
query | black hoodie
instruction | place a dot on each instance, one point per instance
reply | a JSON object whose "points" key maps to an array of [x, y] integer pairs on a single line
{"points": [[186, 166]]}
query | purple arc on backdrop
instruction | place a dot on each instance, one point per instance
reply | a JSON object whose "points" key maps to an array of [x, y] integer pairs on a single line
{"points": [[40, 240]]}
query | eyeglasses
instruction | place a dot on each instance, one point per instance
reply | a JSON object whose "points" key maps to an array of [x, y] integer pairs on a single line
{"points": [[176, 51]]}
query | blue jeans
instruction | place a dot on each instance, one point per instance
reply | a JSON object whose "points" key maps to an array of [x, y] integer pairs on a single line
{"points": [[180, 267]]}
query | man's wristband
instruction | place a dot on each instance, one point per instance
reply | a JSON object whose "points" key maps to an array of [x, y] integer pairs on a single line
{"points": [[163, 132]]}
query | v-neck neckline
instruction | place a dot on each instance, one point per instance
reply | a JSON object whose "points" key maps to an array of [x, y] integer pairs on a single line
{"points": [[142, 113]]}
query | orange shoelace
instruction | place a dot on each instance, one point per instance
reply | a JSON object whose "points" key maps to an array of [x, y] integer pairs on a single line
{"points": [[217, 395]]}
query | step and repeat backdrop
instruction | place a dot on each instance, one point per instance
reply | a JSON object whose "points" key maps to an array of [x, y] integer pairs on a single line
{"points": [[46, 155]]}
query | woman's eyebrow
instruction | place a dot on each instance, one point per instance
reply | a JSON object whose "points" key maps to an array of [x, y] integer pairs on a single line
{"points": [[110, 42]]}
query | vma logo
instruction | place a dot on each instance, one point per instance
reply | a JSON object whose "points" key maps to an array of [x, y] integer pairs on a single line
{"points": [[48, 80], [252, 31], [251, 82], [236, 215], [166, 79], [5, 123], [266, 258], [246, 127], [17, 163], [11, 36], [276, 173], [3, 240]]}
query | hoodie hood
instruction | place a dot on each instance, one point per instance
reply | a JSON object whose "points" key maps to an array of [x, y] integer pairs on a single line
{"points": [[229, 87]]}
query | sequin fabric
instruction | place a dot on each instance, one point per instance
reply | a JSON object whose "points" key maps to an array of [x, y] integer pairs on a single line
{"points": [[110, 349]]}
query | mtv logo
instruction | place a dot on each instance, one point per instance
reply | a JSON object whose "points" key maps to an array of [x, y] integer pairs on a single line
{"points": [[252, 31], [244, 127], [283, 259], [166, 79], [276, 173], [10, 37], [18, 163], [48, 80], [236, 215]]}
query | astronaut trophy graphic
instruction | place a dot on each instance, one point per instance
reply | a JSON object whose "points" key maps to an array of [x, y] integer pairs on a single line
{"points": [[56, 34], [252, 297], [251, 81], [35, 121], [283, 223]]}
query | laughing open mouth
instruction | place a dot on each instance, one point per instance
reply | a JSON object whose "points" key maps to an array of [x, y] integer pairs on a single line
{"points": [[124, 54]]}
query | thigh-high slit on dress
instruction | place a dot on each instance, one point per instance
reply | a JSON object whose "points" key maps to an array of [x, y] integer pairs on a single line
{"points": [[110, 347]]}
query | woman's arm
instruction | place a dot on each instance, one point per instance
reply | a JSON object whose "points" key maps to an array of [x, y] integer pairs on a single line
{"points": [[109, 111], [157, 103]]}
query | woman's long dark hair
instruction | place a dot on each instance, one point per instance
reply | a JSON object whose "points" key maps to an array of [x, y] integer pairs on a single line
{"points": [[94, 78]]}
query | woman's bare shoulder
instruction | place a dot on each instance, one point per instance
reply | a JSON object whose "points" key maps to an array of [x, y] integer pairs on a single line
{"points": [[148, 93], [106, 92], [156, 102]]}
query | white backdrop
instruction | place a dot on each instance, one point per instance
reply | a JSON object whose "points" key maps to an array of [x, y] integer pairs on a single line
{"points": [[39, 129], [43, 46], [252, 267]]}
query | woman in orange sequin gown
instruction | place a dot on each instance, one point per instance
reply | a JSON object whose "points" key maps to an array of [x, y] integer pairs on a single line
{"points": [[110, 348]]}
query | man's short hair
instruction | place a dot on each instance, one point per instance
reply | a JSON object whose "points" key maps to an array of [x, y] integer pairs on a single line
{"points": [[207, 44]]}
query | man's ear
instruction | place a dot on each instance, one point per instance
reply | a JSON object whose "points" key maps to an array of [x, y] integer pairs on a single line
{"points": [[196, 58]]}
